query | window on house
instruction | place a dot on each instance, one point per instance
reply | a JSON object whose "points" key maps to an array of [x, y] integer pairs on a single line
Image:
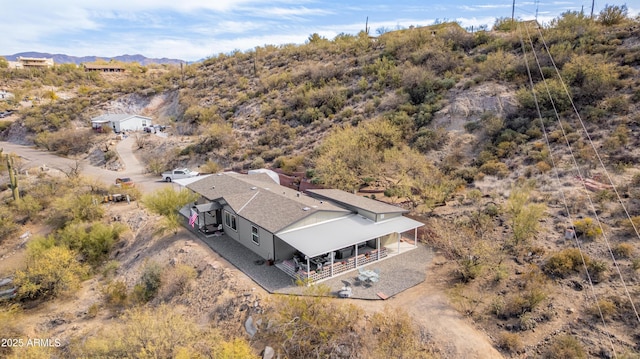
{"points": [[230, 220], [255, 236]]}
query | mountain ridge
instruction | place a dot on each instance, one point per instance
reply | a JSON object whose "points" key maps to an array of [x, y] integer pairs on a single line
{"points": [[68, 59]]}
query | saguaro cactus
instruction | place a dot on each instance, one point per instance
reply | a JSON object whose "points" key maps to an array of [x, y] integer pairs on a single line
{"points": [[13, 178]]}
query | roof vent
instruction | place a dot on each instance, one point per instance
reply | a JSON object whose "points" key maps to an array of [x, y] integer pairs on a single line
{"points": [[213, 187], [254, 188], [306, 208]]}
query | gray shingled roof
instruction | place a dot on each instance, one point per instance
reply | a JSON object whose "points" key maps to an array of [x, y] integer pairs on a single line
{"points": [[351, 199], [260, 200]]}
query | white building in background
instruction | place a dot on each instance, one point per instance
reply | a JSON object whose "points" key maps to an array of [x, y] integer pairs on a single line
{"points": [[31, 62], [121, 122]]}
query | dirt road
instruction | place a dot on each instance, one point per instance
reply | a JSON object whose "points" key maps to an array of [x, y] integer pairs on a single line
{"points": [[33, 158]]}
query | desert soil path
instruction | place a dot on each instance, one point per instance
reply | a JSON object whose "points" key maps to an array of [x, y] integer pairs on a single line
{"points": [[451, 333], [33, 158], [426, 302]]}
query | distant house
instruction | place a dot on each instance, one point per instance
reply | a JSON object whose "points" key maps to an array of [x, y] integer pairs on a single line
{"points": [[31, 62], [103, 68], [315, 236], [120, 122]]}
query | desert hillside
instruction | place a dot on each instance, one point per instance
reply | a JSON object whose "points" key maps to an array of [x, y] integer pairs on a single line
{"points": [[517, 147]]}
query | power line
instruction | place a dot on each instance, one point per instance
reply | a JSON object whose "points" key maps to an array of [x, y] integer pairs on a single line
{"points": [[555, 169], [606, 240]]}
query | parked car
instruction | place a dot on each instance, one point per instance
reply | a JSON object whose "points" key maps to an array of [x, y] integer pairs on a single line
{"points": [[125, 182], [179, 173]]}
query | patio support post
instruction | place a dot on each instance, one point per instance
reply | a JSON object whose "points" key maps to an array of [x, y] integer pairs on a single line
{"points": [[378, 247], [399, 236], [308, 270], [331, 263], [356, 257], [415, 237]]}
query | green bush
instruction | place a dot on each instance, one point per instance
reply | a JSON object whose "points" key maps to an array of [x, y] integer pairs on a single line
{"points": [[94, 241], [51, 271], [565, 262], [587, 228], [149, 283]]}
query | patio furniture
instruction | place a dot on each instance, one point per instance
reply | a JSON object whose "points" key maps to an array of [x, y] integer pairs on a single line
{"points": [[368, 277], [345, 292]]}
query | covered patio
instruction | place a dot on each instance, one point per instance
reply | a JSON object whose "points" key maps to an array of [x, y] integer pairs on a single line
{"points": [[330, 248]]}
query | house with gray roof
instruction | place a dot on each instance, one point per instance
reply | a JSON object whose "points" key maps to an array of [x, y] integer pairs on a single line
{"points": [[121, 122], [313, 235]]}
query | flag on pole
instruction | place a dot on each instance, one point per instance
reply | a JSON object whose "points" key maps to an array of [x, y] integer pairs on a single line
{"points": [[193, 218]]}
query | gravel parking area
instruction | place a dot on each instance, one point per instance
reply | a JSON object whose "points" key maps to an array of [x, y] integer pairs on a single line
{"points": [[397, 273]]}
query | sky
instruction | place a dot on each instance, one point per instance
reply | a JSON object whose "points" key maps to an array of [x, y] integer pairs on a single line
{"points": [[192, 30]]}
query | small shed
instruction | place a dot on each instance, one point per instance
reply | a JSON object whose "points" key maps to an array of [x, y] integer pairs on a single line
{"points": [[121, 122]]}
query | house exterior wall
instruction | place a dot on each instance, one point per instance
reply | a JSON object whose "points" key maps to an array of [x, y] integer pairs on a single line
{"points": [[385, 216], [132, 124], [243, 234], [245, 237], [282, 249]]}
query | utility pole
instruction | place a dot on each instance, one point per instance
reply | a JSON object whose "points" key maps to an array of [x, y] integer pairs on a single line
{"points": [[513, 10], [366, 26], [593, 3]]}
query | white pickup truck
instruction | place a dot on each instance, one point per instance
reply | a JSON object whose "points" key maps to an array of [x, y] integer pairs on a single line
{"points": [[178, 173]]}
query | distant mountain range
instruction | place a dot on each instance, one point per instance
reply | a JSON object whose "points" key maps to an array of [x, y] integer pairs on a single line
{"points": [[66, 59]]}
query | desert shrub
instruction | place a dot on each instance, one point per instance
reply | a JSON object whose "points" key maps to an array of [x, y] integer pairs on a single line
{"points": [[8, 225], [623, 250], [51, 271], [565, 262], [66, 142], [597, 270], [426, 140], [391, 330], [527, 322], [511, 342], [605, 306], [590, 78], [289, 164], [210, 167], [215, 135], [73, 207], [532, 291], [613, 15], [524, 215], [94, 241], [587, 228], [149, 283], [167, 201], [10, 317], [565, 346], [176, 280], [257, 163], [555, 95], [159, 332], [116, 294], [495, 168], [309, 326]]}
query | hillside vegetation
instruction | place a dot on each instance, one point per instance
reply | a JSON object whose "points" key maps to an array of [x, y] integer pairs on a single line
{"points": [[487, 136]]}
